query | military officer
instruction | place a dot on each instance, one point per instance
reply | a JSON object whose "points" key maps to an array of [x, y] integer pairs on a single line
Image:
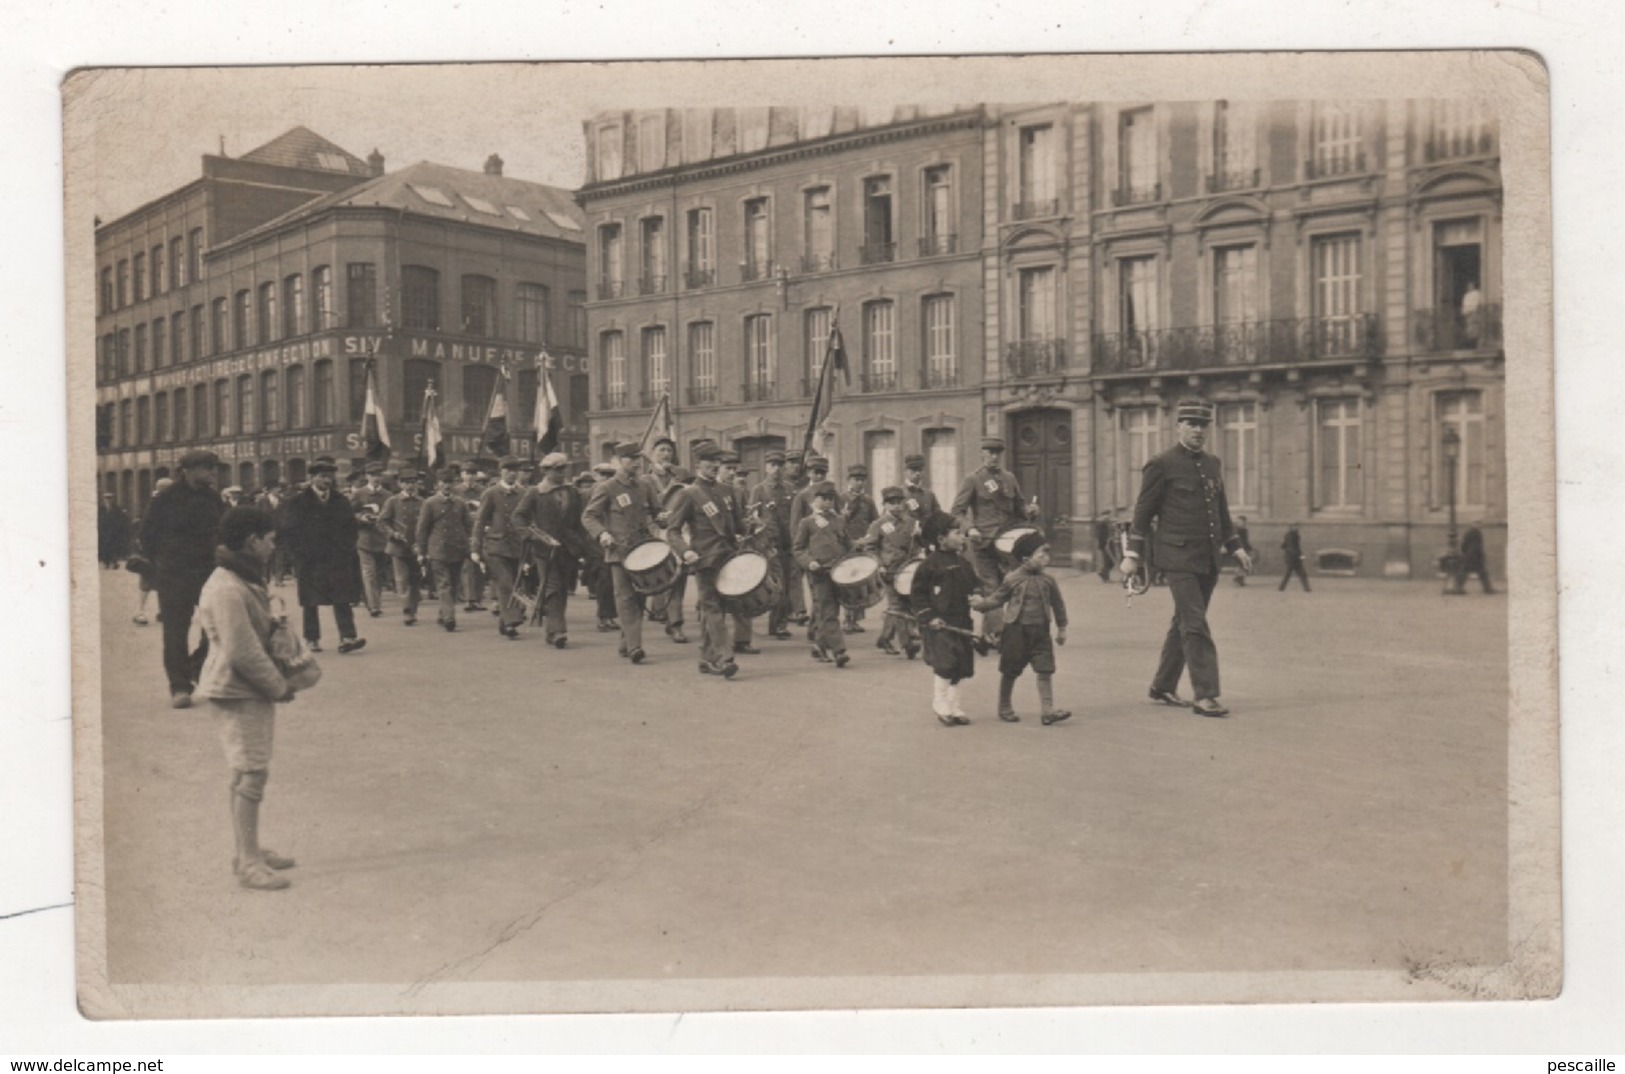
{"points": [[621, 513], [704, 529], [498, 543], [1182, 491], [989, 502]]}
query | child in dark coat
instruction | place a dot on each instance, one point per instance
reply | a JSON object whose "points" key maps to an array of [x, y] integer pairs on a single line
{"points": [[940, 599], [1031, 599]]}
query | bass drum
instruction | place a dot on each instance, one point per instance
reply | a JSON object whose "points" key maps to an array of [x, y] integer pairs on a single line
{"points": [[1006, 541], [857, 581], [747, 584], [652, 567], [903, 581]]}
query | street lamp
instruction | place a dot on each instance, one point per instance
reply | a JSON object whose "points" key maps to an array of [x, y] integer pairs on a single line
{"points": [[1451, 447]]}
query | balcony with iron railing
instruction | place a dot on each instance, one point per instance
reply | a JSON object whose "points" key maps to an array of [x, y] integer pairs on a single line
{"points": [[1035, 357], [1143, 194], [699, 277], [1035, 208], [613, 399], [941, 375], [1457, 145], [756, 391], [651, 284], [703, 395], [877, 253], [939, 245], [1233, 179], [1283, 342], [1332, 165], [611, 289], [649, 397], [1447, 330], [824, 262], [755, 270], [883, 381]]}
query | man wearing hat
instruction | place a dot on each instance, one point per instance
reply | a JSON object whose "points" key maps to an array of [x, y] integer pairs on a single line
{"points": [[892, 538], [770, 502], [549, 517], [398, 521], [704, 528], [663, 478], [443, 542], [498, 544], [989, 502], [920, 501], [1182, 491], [620, 514], [821, 540], [800, 507], [795, 475], [178, 535], [860, 513], [114, 531], [371, 542], [473, 486], [595, 573], [319, 528]]}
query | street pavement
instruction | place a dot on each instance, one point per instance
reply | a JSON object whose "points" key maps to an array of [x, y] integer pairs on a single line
{"points": [[468, 809]]}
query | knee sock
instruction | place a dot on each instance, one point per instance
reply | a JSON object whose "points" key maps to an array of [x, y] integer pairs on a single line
{"points": [[1007, 688], [939, 695], [1046, 694], [953, 700]]}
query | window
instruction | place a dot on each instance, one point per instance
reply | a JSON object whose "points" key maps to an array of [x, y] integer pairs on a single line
{"points": [[878, 238], [293, 306], [610, 267], [479, 306], [651, 143], [818, 231], [612, 345], [1138, 308], [702, 357], [1335, 268], [941, 461], [531, 301], [609, 152], [941, 360], [361, 295], [758, 240], [323, 405], [180, 429], [1464, 413], [759, 368], [321, 286], [1139, 439], [141, 348], [1036, 147], [937, 234], [1235, 146], [1459, 129], [107, 357], [1336, 139], [653, 245], [160, 418], [1137, 157], [177, 263], [107, 290], [1461, 319], [525, 386], [194, 254], [239, 327], [156, 265], [702, 264], [200, 411], [267, 314], [1238, 449], [139, 267], [160, 347], [696, 134], [880, 453], [420, 298], [578, 318], [245, 403], [879, 346], [479, 388], [417, 374], [752, 129], [177, 338], [580, 399], [1035, 301], [221, 326], [126, 423], [815, 337], [123, 284], [1337, 454], [297, 415], [270, 402], [656, 368], [358, 388], [123, 352], [222, 407], [1235, 301]]}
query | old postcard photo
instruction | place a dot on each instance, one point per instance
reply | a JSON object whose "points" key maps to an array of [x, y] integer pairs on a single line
{"points": [[797, 534]]}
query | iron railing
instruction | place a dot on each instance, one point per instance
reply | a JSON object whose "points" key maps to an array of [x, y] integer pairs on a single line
{"points": [[1233, 179], [1282, 342], [937, 245], [648, 397], [1454, 145], [755, 270], [1435, 331], [877, 253], [878, 382], [817, 262], [1035, 357], [940, 376], [1137, 195], [1335, 164], [699, 277], [610, 399], [756, 391], [701, 394], [611, 288], [651, 284]]}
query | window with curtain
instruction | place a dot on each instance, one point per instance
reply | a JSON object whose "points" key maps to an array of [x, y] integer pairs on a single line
{"points": [[1036, 149], [880, 345], [941, 356], [1337, 454], [1464, 413], [267, 314], [242, 313], [245, 403], [293, 306], [759, 356], [1238, 450], [479, 306], [361, 295], [321, 286], [323, 401], [612, 345], [656, 368], [531, 302], [819, 230], [297, 414], [270, 402], [1139, 439], [816, 336]]}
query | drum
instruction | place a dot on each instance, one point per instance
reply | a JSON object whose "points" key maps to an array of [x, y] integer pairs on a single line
{"points": [[747, 585], [857, 581], [903, 582], [652, 567], [1006, 541]]}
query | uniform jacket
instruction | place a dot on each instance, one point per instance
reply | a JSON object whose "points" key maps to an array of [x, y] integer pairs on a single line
{"points": [[893, 540], [1183, 491], [706, 520], [772, 500], [494, 531], [321, 538], [234, 612], [943, 585], [178, 533], [369, 536], [1031, 597], [556, 511], [442, 531], [398, 521], [821, 539], [860, 513], [989, 501], [801, 506], [921, 502], [624, 509]]}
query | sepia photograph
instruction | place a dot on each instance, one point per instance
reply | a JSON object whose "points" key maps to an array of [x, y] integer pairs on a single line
{"points": [[994, 531]]}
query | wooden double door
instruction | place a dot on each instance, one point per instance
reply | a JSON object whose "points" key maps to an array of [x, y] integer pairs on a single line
{"points": [[1040, 452]]}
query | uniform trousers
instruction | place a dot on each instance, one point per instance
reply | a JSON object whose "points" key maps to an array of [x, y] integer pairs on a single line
{"points": [[447, 577], [628, 608], [372, 579], [504, 572], [778, 616], [177, 600], [670, 603], [825, 627], [793, 591], [473, 582], [554, 596], [1189, 642], [408, 583], [899, 626], [716, 632]]}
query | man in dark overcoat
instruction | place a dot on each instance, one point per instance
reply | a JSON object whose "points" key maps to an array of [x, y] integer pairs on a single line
{"points": [[319, 528], [114, 532], [1182, 491], [1473, 560], [178, 535]]}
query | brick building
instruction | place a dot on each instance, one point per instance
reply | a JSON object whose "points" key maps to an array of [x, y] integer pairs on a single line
{"points": [[239, 312]]}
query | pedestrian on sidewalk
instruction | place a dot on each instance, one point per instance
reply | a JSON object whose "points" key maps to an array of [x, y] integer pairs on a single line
{"points": [[178, 535], [1031, 599], [1292, 552], [1472, 560], [1244, 541]]}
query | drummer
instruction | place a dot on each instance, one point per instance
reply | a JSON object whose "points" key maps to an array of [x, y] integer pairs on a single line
{"points": [[801, 506], [821, 540], [860, 513], [920, 501], [893, 537], [795, 475], [728, 476], [664, 477], [770, 501], [619, 514], [704, 529], [989, 502]]}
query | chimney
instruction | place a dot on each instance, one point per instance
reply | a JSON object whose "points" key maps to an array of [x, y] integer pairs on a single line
{"points": [[375, 163], [493, 165]]}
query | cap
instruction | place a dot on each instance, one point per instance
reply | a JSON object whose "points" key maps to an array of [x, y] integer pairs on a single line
{"points": [[556, 460], [407, 474], [375, 468], [1028, 543], [511, 462], [992, 443], [1193, 410], [605, 469], [323, 464], [664, 440], [914, 462], [822, 488], [857, 470], [708, 450], [470, 467], [452, 474], [586, 477], [627, 449], [727, 457], [795, 456], [891, 494], [818, 463], [199, 457], [773, 456]]}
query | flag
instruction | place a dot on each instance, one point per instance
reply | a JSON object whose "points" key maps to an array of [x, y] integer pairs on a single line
{"points": [[434, 444], [660, 425], [374, 433], [547, 421], [824, 398], [494, 436]]}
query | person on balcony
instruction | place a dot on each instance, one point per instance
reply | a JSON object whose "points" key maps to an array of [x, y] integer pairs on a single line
{"points": [[1472, 315]]}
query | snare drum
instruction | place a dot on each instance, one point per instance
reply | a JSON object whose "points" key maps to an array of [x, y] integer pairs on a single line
{"points": [[652, 567], [1006, 541], [903, 582], [857, 581], [747, 585]]}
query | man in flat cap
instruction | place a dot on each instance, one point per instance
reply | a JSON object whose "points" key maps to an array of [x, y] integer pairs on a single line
{"points": [[860, 513], [371, 542], [893, 538], [498, 544], [989, 502], [704, 529], [920, 501], [178, 535], [398, 522], [795, 475], [443, 543], [770, 503], [800, 507], [619, 515], [663, 478], [319, 528], [549, 518], [1182, 491]]}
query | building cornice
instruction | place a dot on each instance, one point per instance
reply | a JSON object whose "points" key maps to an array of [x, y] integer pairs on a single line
{"points": [[383, 213]]}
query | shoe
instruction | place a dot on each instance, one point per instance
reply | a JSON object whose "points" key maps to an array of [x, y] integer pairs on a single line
{"points": [[799, 619], [1208, 706], [747, 648], [888, 648], [820, 655], [497, 612], [781, 635], [259, 876], [375, 612], [675, 633], [139, 619], [450, 625], [636, 656], [511, 633], [727, 671], [951, 720], [351, 645], [1009, 717], [614, 624], [411, 620], [854, 628], [180, 699], [911, 651], [558, 641], [1167, 697], [471, 607], [604, 627], [269, 857], [657, 617], [841, 660], [1055, 717], [313, 645]]}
